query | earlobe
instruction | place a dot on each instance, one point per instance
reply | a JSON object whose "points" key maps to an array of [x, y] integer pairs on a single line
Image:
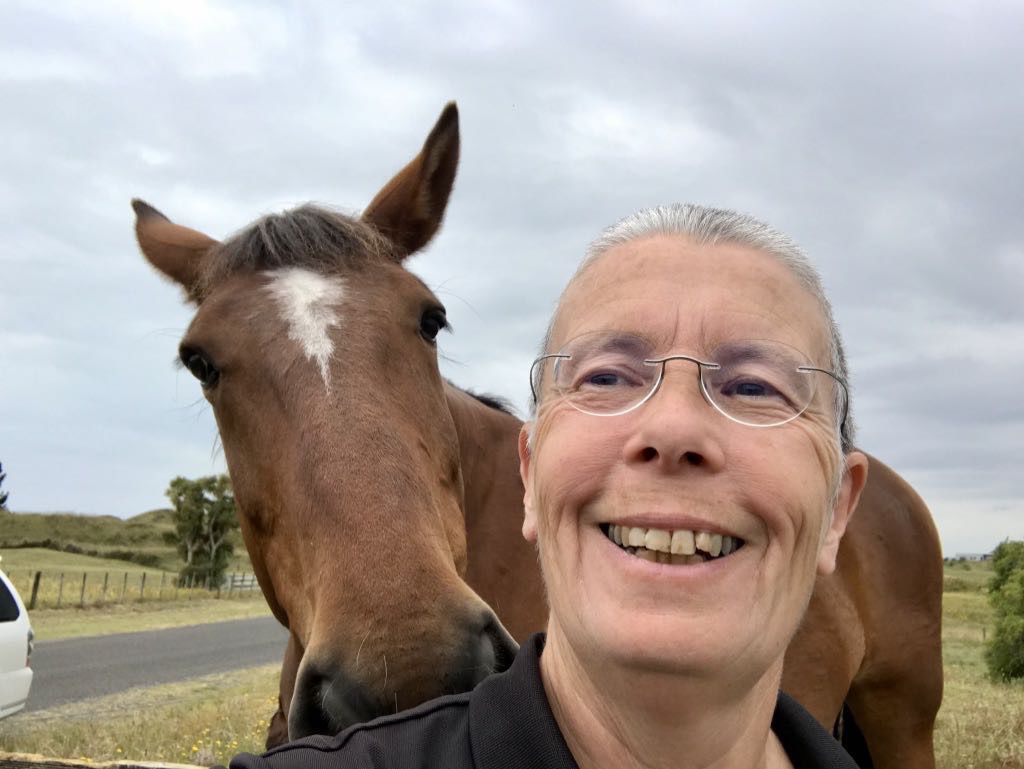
{"points": [[529, 511], [854, 477]]}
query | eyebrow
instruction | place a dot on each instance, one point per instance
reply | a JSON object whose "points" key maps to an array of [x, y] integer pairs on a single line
{"points": [[621, 341]]}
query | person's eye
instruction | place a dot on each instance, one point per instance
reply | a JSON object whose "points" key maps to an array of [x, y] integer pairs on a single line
{"points": [[606, 375], [749, 389], [603, 379]]}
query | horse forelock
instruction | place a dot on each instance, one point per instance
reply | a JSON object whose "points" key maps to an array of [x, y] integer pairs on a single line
{"points": [[310, 237]]}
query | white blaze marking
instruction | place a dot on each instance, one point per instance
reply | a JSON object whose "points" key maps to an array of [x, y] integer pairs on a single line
{"points": [[308, 303]]}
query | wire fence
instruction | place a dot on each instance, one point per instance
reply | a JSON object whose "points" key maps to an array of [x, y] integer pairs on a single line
{"points": [[60, 589]]}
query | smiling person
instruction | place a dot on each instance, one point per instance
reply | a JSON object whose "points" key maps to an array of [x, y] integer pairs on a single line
{"points": [[688, 472]]}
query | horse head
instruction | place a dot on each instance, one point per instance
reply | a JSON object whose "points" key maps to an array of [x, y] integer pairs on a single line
{"points": [[316, 349]]}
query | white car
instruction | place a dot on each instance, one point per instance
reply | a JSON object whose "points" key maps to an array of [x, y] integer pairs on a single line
{"points": [[16, 639]]}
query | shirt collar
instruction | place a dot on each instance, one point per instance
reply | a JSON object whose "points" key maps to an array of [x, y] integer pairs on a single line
{"points": [[510, 720]]}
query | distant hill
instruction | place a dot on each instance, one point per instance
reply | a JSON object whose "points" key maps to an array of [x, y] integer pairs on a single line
{"points": [[139, 539]]}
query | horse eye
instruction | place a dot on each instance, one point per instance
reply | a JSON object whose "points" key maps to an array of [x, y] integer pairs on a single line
{"points": [[431, 323], [201, 368]]}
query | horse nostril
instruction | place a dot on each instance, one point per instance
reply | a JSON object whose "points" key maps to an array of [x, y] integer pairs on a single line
{"points": [[498, 647], [327, 703]]}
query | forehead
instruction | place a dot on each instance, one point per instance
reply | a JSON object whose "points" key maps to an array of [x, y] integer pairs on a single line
{"points": [[685, 294]]}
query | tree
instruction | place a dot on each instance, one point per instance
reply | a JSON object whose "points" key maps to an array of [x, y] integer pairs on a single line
{"points": [[204, 515], [1005, 652], [3, 494]]}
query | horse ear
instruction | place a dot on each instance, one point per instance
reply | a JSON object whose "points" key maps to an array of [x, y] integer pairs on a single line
{"points": [[410, 207], [174, 250]]}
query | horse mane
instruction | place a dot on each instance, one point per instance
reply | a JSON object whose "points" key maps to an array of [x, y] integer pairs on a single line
{"points": [[309, 236], [492, 401]]}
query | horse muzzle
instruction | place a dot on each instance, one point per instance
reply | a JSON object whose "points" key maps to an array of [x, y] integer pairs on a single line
{"points": [[330, 698]]}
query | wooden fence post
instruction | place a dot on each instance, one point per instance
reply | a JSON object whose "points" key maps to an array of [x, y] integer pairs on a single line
{"points": [[106, 576], [35, 590], [124, 587], [142, 587], [60, 590], [163, 576], [81, 597]]}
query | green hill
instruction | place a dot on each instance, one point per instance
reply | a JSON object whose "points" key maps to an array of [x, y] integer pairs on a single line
{"points": [[139, 539]]}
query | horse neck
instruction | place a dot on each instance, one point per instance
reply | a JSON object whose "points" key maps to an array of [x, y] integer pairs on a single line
{"points": [[488, 446], [501, 565]]}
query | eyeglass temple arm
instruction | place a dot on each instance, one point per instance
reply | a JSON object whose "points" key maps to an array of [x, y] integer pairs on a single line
{"points": [[846, 391], [537, 362]]}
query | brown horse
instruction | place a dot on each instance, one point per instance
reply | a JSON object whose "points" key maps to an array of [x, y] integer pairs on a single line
{"points": [[380, 504]]}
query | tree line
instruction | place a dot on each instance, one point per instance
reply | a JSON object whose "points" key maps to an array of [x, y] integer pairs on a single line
{"points": [[204, 516], [1005, 652]]}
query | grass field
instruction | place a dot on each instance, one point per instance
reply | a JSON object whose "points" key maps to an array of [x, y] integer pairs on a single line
{"points": [[70, 579], [981, 724], [54, 624], [103, 534]]}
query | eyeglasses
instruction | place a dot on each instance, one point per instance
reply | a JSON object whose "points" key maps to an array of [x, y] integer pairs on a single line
{"points": [[760, 383]]}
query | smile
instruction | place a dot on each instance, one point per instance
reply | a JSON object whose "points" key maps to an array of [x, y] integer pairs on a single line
{"points": [[680, 547]]}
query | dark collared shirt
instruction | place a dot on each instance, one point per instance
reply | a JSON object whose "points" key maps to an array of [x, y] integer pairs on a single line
{"points": [[504, 723]]}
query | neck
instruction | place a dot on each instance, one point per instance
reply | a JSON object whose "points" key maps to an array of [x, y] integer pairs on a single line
{"points": [[643, 720], [488, 445]]}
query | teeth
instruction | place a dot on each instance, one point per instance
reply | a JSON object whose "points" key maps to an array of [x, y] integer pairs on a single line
{"points": [[676, 547], [682, 542], [709, 543], [657, 539], [637, 537]]}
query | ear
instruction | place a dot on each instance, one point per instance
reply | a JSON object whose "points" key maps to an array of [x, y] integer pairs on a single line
{"points": [[850, 487], [409, 209], [530, 512], [174, 250]]}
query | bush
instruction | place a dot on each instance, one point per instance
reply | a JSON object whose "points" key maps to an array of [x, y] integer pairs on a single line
{"points": [[1005, 652]]}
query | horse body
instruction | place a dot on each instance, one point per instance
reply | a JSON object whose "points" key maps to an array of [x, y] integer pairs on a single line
{"points": [[382, 506]]}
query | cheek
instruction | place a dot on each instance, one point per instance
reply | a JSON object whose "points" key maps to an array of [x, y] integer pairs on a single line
{"points": [[785, 485], [572, 459]]}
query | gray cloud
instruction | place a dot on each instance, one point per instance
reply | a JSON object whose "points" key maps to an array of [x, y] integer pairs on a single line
{"points": [[886, 140]]}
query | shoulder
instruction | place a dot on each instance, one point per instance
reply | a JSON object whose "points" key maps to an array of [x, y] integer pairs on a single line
{"points": [[807, 743], [435, 734]]}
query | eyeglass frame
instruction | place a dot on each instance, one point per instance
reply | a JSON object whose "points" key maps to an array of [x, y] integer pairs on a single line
{"points": [[701, 365]]}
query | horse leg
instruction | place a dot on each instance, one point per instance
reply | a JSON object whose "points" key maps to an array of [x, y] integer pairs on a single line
{"points": [[896, 567], [896, 712], [277, 731]]}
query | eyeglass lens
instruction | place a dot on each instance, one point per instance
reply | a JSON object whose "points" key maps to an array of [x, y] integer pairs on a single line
{"points": [[756, 382]]}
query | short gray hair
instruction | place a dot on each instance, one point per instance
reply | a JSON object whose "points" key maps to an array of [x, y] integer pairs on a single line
{"points": [[708, 226]]}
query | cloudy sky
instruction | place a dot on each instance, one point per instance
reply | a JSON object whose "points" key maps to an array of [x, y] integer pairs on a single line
{"points": [[886, 138]]}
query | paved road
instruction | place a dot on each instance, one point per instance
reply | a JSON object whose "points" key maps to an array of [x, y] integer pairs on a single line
{"points": [[80, 668]]}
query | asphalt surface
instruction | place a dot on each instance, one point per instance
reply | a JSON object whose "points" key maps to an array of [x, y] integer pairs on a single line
{"points": [[80, 668]]}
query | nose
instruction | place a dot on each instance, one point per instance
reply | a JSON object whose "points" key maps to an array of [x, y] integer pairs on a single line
{"points": [[677, 425], [328, 698]]}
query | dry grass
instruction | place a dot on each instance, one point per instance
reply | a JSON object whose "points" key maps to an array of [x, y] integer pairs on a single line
{"points": [[203, 721], [981, 724], [52, 624], [70, 579]]}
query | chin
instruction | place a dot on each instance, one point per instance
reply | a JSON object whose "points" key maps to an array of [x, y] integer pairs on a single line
{"points": [[667, 645]]}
